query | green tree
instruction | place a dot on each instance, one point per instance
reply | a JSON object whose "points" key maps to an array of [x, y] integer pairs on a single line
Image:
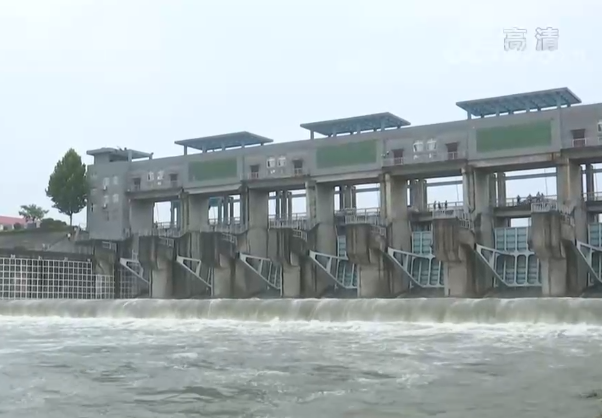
{"points": [[68, 185], [32, 213], [49, 223]]}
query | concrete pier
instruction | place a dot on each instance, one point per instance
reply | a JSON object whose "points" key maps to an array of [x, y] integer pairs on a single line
{"points": [[161, 277], [105, 259], [320, 209], [283, 252], [363, 249], [157, 260], [394, 210], [550, 234], [454, 245], [219, 255], [569, 182]]}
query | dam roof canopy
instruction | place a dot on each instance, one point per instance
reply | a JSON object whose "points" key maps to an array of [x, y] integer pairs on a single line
{"points": [[356, 124], [120, 154], [225, 141], [523, 102]]}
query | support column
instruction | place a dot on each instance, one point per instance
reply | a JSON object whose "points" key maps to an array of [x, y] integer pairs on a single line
{"points": [[198, 212], [547, 242], [141, 216], [292, 277], [590, 189], [220, 210], [569, 184], [161, 278], [418, 194], [284, 204], [484, 199], [277, 204], [178, 220], [346, 197], [244, 209], [454, 246], [394, 207], [320, 211], [172, 215], [479, 189], [258, 223], [289, 201], [501, 189], [468, 190], [254, 242], [104, 268], [324, 217]]}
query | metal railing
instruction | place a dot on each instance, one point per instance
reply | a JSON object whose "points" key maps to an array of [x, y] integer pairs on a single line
{"points": [[359, 212], [463, 217], [279, 172], [592, 196], [300, 171], [590, 141], [526, 201], [109, 245], [466, 222], [229, 225], [431, 207], [298, 233], [171, 232], [293, 221], [369, 216], [424, 157], [446, 213], [393, 161], [226, 221], [553, 206], [138, 184]]}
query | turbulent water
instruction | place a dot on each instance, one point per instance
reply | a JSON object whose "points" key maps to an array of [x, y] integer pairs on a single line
{"points": [[305, 358]]}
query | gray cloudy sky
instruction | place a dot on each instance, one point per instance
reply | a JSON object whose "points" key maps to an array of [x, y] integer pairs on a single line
{"points": [[143, 73]]}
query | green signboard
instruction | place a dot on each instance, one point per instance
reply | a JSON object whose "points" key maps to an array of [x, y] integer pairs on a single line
{"points": [[343, 155], [213, 170], [506, 138]]}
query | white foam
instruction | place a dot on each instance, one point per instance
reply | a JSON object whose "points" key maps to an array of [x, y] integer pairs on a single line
{"points": [[457, 312]]}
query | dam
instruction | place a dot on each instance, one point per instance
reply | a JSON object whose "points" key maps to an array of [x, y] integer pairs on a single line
{"points": [[236, 230]]}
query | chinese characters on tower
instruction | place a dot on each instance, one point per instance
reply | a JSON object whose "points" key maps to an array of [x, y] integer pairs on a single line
{"points": [[515, 39]]}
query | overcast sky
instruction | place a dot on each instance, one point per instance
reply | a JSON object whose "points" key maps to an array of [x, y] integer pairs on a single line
{"points": [[144, 73]]}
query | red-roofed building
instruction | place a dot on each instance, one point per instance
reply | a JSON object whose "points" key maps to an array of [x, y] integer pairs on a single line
{"points": [[8, 222]]}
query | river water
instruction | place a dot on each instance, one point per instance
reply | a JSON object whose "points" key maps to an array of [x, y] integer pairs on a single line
{"points": [[308, 358]]}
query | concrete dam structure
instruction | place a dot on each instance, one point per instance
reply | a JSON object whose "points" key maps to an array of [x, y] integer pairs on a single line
{"points": [[234, 231]]}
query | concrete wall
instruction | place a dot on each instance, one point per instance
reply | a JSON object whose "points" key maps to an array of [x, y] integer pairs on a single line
{"points": [[579, 117], [37, 240], [108, 185]]}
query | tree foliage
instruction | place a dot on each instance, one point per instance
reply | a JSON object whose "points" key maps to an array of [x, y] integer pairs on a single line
{"points": [[67, 186], [50, 223], [32, 213]]}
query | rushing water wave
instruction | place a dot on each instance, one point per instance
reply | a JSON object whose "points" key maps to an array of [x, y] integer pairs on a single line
{"points": [[418, 358], [432, 310]]}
